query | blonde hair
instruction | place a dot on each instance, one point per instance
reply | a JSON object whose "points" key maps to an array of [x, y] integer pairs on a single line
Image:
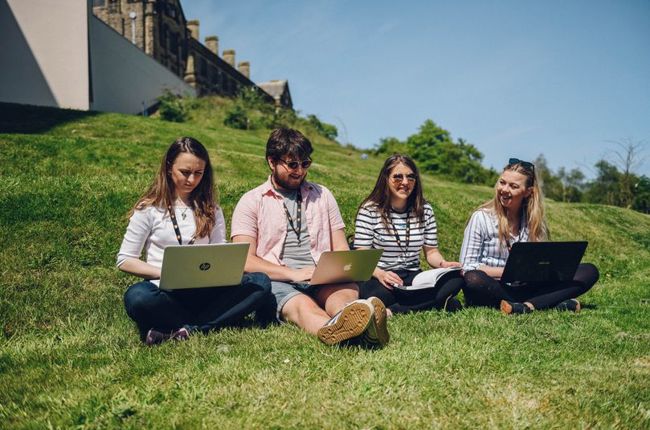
{"points": [[161, 192], [532, 208]]}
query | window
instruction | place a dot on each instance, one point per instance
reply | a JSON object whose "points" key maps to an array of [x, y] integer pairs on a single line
{"points": [[113, 6]]}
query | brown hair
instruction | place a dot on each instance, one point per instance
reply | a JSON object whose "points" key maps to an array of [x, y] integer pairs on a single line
{"points": [[287, 141], [380, 195], [161, 192]]}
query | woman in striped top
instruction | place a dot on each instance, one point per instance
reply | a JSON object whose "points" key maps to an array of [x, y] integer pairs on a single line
{"points": [[515, 214], [396, 218]]}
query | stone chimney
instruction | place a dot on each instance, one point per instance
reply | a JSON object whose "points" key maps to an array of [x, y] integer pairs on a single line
{"points": [[245, 68], [229, 56], [193, 26], [190, 74], [212, 43]]}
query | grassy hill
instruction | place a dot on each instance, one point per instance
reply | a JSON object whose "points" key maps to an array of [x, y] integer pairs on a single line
{"points": [[70, 357]]}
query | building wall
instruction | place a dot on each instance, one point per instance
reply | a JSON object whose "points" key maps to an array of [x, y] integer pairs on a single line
{"points": [[161, 30], [36, 71], [125, 79], [157, 27]]}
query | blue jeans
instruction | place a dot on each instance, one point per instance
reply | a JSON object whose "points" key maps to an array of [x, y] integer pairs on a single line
{"points": [[201, 309]]}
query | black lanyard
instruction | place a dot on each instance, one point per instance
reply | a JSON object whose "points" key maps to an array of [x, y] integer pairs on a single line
{"points": [[172, 215], [408, 232], [298, 225]]}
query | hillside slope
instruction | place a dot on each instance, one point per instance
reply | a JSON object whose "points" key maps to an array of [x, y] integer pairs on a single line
{"points": [[70, 356]]}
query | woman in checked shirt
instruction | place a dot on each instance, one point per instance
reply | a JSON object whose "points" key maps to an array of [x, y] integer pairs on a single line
{"points": [[515, 214]]}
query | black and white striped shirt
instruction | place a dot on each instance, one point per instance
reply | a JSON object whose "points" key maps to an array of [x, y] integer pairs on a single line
{"points": [[481, 241], [370, 232]]}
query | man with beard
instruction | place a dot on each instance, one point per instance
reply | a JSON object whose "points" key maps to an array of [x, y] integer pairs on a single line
{"points": [[289, 223]]}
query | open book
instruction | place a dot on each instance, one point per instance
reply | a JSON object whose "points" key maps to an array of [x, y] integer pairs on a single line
{"points": [[429, 278]]}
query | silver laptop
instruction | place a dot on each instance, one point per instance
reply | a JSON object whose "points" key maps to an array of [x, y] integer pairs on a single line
{"points": [[201, 266], [345, 266]]}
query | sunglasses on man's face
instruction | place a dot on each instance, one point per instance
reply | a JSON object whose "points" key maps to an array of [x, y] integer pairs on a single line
{"points": [[293, 165], [398, 178], [524, 164]]}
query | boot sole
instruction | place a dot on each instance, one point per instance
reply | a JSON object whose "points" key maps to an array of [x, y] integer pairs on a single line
{"points": [[506, 308], [383, 337], [352, 322]]}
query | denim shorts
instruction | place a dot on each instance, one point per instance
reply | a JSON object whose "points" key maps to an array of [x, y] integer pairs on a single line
{"points": [[284, 291]]}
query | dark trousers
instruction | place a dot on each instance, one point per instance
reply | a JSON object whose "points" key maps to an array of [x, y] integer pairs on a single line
{"points": [[482, 290], [400, 301], [201, 309]]}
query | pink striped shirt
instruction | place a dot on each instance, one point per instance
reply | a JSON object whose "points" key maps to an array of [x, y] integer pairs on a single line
{"points": [[260, 214]]}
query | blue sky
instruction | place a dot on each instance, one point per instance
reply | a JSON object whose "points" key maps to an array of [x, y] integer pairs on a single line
{"points": [[515, 78]]}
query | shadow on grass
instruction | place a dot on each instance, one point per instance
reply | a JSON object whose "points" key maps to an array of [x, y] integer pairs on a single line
{"points": [[27, 119]]}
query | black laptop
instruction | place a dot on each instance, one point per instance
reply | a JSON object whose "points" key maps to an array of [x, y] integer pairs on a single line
{"points": [[542, 262]]}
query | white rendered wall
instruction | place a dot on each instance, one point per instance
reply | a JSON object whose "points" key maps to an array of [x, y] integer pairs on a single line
{"points": [[44, 53], [124, 78]]}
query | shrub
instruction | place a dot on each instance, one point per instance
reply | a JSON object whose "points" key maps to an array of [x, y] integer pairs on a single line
{"points": [[172, 107], [236, 117]]}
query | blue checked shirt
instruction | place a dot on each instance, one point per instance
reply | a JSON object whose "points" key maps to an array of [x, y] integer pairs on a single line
{"points": [[481, 241]]}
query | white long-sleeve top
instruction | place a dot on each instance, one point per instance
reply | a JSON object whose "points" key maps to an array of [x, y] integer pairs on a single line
{"points": [[481, 241], [151, 229]]}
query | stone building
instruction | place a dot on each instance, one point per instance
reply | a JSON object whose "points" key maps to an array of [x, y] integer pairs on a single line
{"points": [[279, 90], [160, 29]]}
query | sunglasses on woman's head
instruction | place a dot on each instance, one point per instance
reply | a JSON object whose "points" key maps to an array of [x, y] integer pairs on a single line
{"points": [[524, 164], [293, 165], [398, 178]]}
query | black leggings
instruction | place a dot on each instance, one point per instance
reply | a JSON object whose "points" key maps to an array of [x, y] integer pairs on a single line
{"points": [[400, 301], [482, 290]]}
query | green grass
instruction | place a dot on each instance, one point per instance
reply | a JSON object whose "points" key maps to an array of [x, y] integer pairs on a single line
{"points": [[70, 357]]}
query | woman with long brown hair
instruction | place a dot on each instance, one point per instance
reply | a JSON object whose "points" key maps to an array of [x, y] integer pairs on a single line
{"points": [[179, 208], [395, 217], [514, 214]]}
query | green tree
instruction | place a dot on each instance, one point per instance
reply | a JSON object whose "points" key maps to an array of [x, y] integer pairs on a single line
{"points": [[389, 146], [328, 131], [605, 187], [641, 200]]}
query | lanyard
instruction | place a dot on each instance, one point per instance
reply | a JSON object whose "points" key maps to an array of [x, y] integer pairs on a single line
{"points": [[298, 225], [172, 215], [408, 232]]}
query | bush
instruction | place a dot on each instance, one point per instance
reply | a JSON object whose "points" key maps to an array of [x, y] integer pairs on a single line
{"points": [[237, 117], [172, 108]]}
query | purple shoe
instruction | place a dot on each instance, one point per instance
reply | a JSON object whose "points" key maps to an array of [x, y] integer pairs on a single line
{"points": [[181, 334], [155, 337]]}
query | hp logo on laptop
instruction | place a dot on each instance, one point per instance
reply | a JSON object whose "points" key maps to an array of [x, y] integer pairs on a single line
{"points": [[204, 266]]}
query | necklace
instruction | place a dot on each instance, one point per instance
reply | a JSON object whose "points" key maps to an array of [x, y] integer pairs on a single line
{"points": [[184, 213]]}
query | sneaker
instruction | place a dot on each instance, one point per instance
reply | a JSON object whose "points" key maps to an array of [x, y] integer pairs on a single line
{"points": [[452, 304], [514, 308], [350, 322], [154, 337], [569, 305], [376, 335], [181, 334]]}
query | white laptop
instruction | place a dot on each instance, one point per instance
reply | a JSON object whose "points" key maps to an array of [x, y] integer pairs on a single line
{"points": [[201, 266], [345, 266]]}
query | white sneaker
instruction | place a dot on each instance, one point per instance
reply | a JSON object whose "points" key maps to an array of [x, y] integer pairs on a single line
{"points": [[350, 322]]}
